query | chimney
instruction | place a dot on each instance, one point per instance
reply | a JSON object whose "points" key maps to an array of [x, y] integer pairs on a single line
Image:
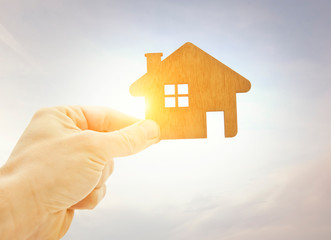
{"points": [[153, 61]]}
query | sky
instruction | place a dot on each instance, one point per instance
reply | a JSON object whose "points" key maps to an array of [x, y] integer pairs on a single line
{"points": [[271, 181]]}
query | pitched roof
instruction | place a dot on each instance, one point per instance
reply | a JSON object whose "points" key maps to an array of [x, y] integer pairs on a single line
{"points": [[137, 88]]}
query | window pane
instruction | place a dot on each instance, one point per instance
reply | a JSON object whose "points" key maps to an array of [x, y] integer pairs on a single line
{"points": [[182, 101], [169, 89], [182, 88], [170, 102]]}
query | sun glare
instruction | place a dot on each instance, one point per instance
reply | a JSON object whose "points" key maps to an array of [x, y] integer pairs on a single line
{"points": [[135, 106]]}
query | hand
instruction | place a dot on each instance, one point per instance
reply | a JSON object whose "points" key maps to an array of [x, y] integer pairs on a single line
{"points": [[61, 163]]}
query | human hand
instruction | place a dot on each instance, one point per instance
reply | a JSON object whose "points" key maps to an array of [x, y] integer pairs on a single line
{"points": [[61, 163]]}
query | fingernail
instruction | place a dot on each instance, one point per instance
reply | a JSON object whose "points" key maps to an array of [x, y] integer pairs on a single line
{"points": [[150, 128]]}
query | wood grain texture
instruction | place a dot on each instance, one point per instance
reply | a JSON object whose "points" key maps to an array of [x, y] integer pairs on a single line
{"points": [[189, 73]]}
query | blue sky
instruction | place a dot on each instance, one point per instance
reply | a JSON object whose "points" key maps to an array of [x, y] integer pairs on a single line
{"points": [[261, 184]]}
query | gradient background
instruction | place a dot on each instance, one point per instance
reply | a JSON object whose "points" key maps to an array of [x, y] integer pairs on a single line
{"points": [[272, 181]]}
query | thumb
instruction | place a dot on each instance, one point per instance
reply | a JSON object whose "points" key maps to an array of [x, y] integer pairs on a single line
{"points": [[132, 139]]}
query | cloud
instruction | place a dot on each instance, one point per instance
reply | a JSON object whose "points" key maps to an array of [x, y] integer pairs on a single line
{"points": [[296, 205], [120, 223]]}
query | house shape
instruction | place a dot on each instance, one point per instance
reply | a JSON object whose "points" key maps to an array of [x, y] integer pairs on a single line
{"points": [[180, 90]]}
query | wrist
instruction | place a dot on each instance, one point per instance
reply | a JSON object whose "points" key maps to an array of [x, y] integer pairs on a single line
{"points": [[20, 214]]}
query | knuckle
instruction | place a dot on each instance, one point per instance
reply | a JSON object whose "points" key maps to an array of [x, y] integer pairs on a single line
{"points": [[92, 203], [91, 145], [88, 140], [95, 197], [42, 112], [128, 142], [111, 168]]}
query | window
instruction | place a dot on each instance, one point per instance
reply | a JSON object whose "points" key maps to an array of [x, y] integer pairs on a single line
{"points": [[176, 95]]}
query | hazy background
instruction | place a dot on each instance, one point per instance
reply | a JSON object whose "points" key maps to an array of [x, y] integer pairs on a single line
{"points": [[272, 181]]}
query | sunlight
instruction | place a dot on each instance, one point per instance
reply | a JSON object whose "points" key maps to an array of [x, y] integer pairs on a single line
{"points": [[134, 106]]}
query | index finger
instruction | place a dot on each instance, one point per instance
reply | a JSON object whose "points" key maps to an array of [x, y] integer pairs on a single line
{"points": [[100, 119]]}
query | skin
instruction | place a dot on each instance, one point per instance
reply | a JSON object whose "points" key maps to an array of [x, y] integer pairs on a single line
{"points": [[61, 164]]}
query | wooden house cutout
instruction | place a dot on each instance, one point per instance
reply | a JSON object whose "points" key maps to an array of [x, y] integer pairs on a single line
{"points": [[180, 90]]}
